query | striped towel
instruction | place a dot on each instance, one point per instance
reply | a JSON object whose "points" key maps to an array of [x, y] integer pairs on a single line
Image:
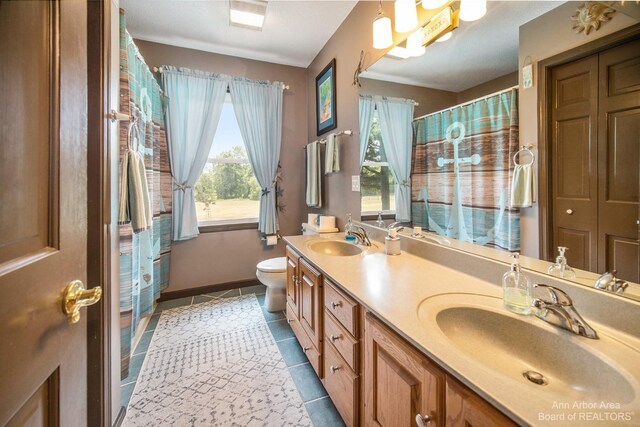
{"points": [[135, 207], [314, 176], [332, 155]]}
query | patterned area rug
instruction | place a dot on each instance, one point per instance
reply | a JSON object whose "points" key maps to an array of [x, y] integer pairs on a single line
{"points": [[215, 364]]}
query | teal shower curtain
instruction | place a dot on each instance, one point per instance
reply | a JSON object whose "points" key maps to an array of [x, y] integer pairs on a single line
{"points": [[462, 169], [144, 256]]}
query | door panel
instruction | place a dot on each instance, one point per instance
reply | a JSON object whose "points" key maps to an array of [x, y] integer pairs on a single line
{"points": [[43, 221], [292, 282], [310, 304], [574, 161], [618, 161]]}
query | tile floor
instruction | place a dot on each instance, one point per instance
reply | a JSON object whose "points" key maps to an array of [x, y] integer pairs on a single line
{"points": [[320, 408]]}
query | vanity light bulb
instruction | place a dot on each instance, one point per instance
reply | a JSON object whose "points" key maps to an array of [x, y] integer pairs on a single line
{"points": [[433, 4], [406, 15], [414, 44], [382, 38], [445, 37], [472, 10]]}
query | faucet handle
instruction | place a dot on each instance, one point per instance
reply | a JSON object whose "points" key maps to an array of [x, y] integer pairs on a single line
{"points": [[557, 296]]}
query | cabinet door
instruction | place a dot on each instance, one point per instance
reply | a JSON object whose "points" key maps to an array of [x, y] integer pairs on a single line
{"points": [[310, 294], [292, 282], [400, 383], [467, 409]]}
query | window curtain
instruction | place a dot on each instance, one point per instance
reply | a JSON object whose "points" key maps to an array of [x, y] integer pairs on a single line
{"points": [[144, 256], [396, 116], [366, 108], [462, 171], [193, 111], [258, 108]]}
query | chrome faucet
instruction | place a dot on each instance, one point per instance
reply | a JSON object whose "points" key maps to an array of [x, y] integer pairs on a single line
{"points": [[397, 225], [558, 310], [609, 282], [360, 234]]}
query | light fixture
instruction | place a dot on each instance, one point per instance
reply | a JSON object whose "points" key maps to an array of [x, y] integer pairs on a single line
{"points": [[414, 44], [406, 15], [445, 37], [472, 10], [399, 52], [382, 38], [433, 4], [247, 13]]}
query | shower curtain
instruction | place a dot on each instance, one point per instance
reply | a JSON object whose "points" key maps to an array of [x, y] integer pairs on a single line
{"points": [[144, 256], [462, 168]]}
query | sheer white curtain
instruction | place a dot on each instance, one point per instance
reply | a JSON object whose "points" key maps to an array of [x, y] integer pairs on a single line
{"points": [[366, 108], [396, 116], [258, 107], [195, 103]]}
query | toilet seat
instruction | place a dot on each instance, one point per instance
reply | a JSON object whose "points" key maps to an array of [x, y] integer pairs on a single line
{"points": [[273, 265]]}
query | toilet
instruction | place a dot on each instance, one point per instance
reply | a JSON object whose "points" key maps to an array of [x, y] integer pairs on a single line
{"points": [[273, 274]]}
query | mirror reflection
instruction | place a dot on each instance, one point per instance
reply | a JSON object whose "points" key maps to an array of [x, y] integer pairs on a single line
{"points": [[471, 180]]}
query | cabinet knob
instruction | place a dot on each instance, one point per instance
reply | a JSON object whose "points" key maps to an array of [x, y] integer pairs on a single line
{"points": [[334, 338], [422, 420], [289, 321], [569, 211], [335, 368], [305, 349], [335, 305]]}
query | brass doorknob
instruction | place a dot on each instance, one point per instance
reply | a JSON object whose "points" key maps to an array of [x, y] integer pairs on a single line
{"points": [[76, 296]]}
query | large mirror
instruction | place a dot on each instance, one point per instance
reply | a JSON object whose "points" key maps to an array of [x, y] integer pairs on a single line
{"points": [[473, 177]]}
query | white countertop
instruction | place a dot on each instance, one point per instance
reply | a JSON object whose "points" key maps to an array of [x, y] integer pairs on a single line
{"points": [[393, 287]]}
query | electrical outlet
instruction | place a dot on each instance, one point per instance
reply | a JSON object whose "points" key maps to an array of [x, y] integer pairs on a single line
{"points": [[355, 183]]}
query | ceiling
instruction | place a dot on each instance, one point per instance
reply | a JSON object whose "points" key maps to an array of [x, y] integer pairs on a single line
{"points": [[479, 51], [293, 33]]}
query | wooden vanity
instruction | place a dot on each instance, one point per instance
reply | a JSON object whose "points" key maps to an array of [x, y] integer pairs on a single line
{"points": [[373, 376]]}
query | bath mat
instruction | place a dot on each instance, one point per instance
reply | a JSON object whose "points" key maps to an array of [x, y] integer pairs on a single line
{"points": [[215, 364]]}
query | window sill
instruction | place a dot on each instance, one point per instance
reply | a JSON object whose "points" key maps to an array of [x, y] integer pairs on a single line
{"points": [[228, 225], [372, 216]]}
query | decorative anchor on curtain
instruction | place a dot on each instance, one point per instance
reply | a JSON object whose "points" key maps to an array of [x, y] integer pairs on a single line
{"points": [[456, 227]]}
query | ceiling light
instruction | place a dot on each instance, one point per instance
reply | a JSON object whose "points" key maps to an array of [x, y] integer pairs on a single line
{"points": [[472, 10], [446, 37], [247, 13], [414, 44], [433, 4], [406, 15], [399, 52], [382, 38]]}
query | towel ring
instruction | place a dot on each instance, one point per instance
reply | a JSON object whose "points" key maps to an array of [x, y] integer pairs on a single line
{"points": [[524, 149]]}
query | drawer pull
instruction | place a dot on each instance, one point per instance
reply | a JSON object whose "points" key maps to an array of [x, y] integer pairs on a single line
{"points": [[289, 321], [334, 338], [422, 420], [305, 349], [335, 305], [335, 368]]}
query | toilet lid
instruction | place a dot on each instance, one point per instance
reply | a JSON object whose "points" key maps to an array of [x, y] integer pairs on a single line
{"points": [[273, 265]]}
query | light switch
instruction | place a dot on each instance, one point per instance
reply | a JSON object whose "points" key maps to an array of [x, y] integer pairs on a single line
{"points": [[355, 182]]}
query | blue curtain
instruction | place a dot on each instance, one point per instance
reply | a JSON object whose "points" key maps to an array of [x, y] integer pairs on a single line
{"points": [[396, 116], [144, 257], [195, 103], [258, 108], [366, 108]]}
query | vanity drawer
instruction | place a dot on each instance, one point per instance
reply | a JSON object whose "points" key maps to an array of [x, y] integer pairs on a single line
{"points": [[344, 308], [312, 353], [342, 340], [341, 385]]}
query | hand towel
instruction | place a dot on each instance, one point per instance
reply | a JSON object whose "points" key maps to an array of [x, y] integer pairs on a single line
{"points": [[332, 155], [135, 206], [523, 186], [314, 176]]}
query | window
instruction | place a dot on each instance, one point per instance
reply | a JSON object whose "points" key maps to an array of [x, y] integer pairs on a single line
{"points": [[377, 186], [227, 191]]}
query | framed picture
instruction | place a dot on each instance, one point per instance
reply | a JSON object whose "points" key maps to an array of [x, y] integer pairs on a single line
{"points": [[326, 117]]}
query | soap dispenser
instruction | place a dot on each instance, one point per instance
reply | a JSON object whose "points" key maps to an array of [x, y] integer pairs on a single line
{"points": [[560, 268], [392, 242], [380, 223], [516, 289], [348, 228]]}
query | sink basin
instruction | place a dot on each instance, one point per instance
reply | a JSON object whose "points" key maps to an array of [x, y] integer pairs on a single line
{"points": [[524, 349], [335, 248]]}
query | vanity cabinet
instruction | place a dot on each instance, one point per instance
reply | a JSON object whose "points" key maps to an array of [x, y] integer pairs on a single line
{"points": [[467, 409], [400, 383]]}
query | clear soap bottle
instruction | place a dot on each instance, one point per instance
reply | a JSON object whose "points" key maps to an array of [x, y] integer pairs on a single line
{"points": [[561, 268], [516, 289], [348, 228]]}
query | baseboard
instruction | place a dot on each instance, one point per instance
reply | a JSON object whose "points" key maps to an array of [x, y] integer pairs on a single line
{"points": [[191, 292], [120, 418]]}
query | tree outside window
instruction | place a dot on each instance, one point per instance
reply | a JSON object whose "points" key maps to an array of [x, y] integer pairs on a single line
{"points": [[377, 186]]}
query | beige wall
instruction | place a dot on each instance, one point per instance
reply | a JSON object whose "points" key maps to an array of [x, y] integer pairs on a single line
{"points": [[541, 38], [214, 258], [486, 88], [430, 100]]}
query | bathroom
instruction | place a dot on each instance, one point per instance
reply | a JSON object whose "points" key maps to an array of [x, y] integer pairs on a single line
{"points": [[320, 214]]}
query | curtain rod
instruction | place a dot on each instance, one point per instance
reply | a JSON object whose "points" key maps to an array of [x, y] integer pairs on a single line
{"points": [[158, 70], [469, 102], [324, 140]]}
